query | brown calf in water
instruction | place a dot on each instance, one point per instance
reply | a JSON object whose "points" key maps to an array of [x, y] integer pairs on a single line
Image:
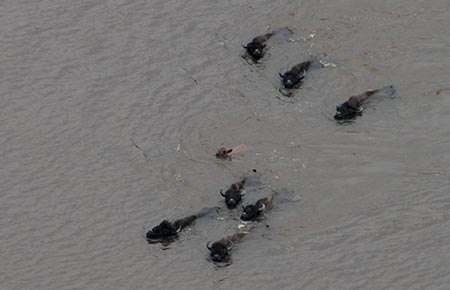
{"points": [[225, 152]]}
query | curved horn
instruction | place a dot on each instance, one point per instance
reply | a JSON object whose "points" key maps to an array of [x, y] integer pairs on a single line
{"points": [[230, 245], [281, 75], [262, 208], [179, 229], [243, 45], [222, 194], [208, 245]]}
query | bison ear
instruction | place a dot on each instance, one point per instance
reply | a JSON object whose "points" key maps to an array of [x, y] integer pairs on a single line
{"points": [[208, 245], [229, 151]]}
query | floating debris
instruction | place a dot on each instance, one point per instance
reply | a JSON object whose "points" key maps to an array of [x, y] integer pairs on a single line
{"points": [[298, 197], [327, 64]]}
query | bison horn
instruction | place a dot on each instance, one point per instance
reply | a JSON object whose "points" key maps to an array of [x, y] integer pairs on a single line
{"points": [[262, 208], [179, 229], [222, 194], [281, 75], [243, 45], [208, 245], [230, 245]]}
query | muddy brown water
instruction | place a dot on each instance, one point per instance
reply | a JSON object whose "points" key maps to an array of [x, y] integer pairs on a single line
{"points": [[82, 83]]}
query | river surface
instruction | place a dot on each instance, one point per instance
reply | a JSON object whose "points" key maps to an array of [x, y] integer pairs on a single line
{"points": [[111, 112]]}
